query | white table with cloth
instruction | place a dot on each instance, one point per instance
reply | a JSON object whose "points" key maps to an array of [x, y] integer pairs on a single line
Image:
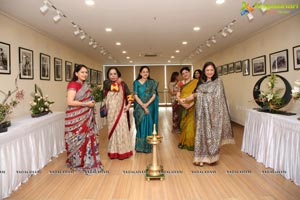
{"points": [[27, 146], [274, 140]]}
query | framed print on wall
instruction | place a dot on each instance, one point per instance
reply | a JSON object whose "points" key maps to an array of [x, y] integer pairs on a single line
{"points": [[68, 71], [219, 69], [93, 76], [26, 63], [57, 69], [230, 68], [237, 67], [5, 67], [279, 61], [259, 65], [88, 79], [99, 77], [44, 66], [296, 55], [246, 67], [224, 69]]}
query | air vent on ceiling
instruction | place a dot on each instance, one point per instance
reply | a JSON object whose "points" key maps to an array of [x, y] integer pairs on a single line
{"points": [[151, 55]]}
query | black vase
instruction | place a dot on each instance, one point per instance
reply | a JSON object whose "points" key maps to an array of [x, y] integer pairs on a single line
{"points": [[4, 126], [39, 114]]}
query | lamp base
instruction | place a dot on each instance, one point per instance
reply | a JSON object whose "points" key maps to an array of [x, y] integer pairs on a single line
{"points": [[159, 175]]}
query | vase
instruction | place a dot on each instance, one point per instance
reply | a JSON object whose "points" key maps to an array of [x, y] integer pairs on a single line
{"points": [[4, 126], [39, 114]]}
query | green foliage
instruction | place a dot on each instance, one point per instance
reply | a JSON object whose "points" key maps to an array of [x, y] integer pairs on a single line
{"points": [[97, 92]]}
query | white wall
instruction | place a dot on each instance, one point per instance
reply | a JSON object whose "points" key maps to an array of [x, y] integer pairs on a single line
{"points": [[20, 35], [239, 88]]}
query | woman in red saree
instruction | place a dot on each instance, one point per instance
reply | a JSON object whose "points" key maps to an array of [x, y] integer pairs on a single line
{"points": [[118, 100], [80, 125]]}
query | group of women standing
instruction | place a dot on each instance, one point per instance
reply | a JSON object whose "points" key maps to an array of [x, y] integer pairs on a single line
{"points": [[199, 99], [80, 125]]}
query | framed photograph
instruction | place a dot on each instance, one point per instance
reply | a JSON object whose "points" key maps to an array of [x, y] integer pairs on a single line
{"points": [[279, 61], [68, 71], [44, 66], [296, 54], [99, 77], [93, 76], [259, 65], [230, 68], [237, 67], [26, 63], [88, 79], [5, 66], [246, 67], [219, 69], [57, 69], [224, 69]]}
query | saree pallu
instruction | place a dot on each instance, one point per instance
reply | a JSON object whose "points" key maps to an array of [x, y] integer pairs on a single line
{"points": [[144, 123], [213, 127], [187, 123], [119, 145], [176, 109], [80, 135]]}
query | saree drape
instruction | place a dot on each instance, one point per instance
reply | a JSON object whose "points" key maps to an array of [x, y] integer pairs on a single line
{"points": [[119, 145], [80, 132], [187, 122], [144, 122], [213, 127]]}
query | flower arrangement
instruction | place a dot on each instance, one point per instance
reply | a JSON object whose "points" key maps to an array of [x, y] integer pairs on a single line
{"points": [[296, 90], [97, 92], [40, 103], [270, 98], [9, 102]]}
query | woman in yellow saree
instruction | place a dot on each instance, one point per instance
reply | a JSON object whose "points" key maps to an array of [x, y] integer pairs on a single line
{"points": [[187, 124]]}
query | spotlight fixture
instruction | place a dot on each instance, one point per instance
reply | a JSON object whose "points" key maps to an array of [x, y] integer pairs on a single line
{"points": [[229, 30], [207, 44], [44, 8], [213, 40], [83, 36], [95, 45], [91, 42], [200, 50], [223, 33], [57, 17]]}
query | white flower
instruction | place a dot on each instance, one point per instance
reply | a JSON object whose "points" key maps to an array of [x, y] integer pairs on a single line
{"points": [[296, 89], [33, 104], [297, 82], [36, 94], [46, 109], [269, 97]]}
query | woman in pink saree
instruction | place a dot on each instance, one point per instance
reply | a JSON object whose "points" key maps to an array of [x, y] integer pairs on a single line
{"points": [[80, 125], [118, 101]]}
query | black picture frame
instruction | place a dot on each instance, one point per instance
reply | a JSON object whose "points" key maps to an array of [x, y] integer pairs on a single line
{"points": [[219, 70], [5, 64], [259, 65], [88, 79], [224, 69], [58, 69], [230, 68], [237, 67], [45, 67], [246, 67], [26, 63], [99, 77], [296, 57], [279, 61], [93, 78], [68, 71]]}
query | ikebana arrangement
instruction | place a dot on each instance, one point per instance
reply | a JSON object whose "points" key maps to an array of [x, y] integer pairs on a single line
{"points": [[41, 104]]}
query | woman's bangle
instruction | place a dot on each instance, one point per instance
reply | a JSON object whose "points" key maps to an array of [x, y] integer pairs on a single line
{"points": [[83, 104]]}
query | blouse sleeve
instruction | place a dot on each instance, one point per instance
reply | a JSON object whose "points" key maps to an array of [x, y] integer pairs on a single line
{"points": [[73, 86], [135, 88]]}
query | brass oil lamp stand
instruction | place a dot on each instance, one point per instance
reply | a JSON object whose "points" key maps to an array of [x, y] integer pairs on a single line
{"points": [[154, 170]]}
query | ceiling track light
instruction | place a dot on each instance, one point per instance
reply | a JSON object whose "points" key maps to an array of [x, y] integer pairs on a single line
{"points": [[250, 16], [91, 42], [223, 33], [44, 8], [207, 44], [57, 17], [213, 39], [229, 30], [95, 45], [83, 36]]}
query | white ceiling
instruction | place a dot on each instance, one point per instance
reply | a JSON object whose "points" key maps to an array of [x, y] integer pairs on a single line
{"points": [[145, 26]]}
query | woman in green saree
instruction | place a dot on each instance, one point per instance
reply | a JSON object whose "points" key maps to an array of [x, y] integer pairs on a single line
{"points": [[145, 109], [187, 122]]}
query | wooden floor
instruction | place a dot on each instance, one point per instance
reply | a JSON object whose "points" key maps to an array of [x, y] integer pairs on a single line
{"points": [[235, 176]]}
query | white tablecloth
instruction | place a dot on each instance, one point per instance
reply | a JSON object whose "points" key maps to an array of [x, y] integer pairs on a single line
{"points": [[274, 140], [27, 147]]}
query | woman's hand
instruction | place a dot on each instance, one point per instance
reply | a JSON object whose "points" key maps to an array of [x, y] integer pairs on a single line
{"points": [[127, 108], [146, 111], [90, 103]]}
